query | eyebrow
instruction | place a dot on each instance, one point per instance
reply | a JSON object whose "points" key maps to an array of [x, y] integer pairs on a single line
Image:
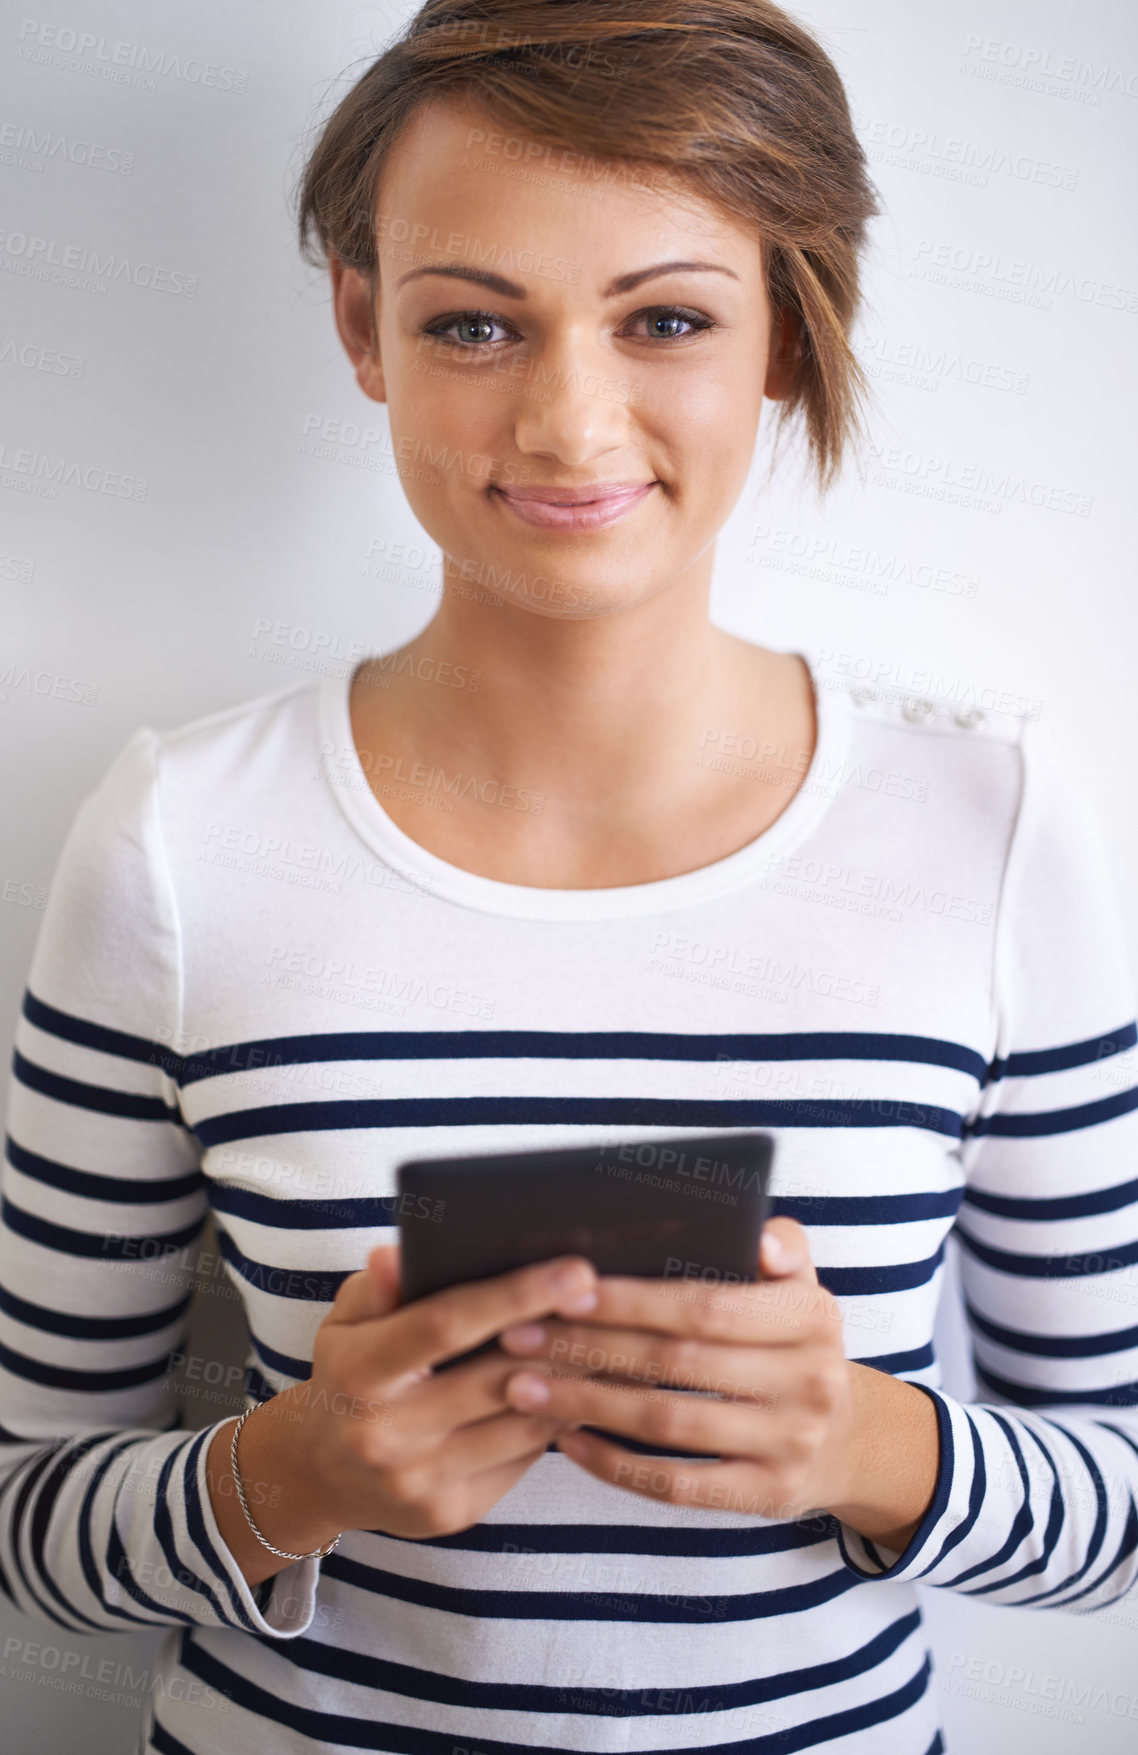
{"points": [[510, 289]]}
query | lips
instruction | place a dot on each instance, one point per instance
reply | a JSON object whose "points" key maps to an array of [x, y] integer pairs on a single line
{"points": [[581, 508], [576, 496]]}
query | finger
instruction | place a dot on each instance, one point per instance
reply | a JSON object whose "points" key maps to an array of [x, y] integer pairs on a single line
{"points": [[761, 1374], [488, 1486], [437, 1327], [384, 1266], [504, 1437], [669, 1418], [784, 1251], [770, 1312], [370, 1293], [716, 1486], [447, 1485], [436, 1409]]}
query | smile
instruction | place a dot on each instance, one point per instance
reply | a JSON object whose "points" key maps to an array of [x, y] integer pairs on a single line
{"points": [[573, 508]]}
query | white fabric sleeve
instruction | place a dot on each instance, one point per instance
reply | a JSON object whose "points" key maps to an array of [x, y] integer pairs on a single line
{"points": [[105, 1516], [1036, 1500]]}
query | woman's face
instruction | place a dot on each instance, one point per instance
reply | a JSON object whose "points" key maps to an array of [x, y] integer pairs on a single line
{"points": [[515, 353]]}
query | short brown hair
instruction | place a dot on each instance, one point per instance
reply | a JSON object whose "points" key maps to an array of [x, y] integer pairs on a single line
{"points": [[732, 96]]}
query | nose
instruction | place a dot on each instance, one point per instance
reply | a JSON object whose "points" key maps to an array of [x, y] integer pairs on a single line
{"points": [[575, 406]]}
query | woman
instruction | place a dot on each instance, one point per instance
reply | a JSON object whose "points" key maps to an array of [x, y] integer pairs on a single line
{"points": [[515, 885]]}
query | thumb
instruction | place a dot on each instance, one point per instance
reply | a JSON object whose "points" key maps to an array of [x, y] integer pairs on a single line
{"points": [[784, 1252], [371, 1291], [383, 1271]]}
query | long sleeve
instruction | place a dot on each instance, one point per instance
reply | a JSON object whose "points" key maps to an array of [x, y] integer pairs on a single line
{"points": [[105, 1517], [1036, 1502]]}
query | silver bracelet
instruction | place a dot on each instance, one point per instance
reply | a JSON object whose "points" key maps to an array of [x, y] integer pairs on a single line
{"points": [[282, 1553]]}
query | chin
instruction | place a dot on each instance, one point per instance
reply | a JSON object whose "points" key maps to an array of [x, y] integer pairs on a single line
{"points": [[546, 596]]}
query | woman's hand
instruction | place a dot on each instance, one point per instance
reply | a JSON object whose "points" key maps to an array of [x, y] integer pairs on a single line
{"points": [[373, 1440], [798, 1425]]}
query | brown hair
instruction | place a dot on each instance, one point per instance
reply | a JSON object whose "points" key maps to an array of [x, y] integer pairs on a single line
{"points": [[731, 96]]}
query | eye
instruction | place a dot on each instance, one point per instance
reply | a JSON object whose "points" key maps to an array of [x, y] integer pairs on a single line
{"points": [[479, 321], [475, 327], [657, 314]]}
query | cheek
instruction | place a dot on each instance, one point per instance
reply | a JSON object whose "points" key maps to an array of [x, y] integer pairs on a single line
{"points": [[439, 403]]}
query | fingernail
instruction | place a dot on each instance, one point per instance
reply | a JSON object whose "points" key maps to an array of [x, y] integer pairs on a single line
{"points": [[529, 1391], [524, 1338], [773, 1249], [573, 1445], [570, 1277], [578, 1306]]}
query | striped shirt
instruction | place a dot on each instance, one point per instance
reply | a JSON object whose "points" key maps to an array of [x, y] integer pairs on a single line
{"points": [[252, 992]]}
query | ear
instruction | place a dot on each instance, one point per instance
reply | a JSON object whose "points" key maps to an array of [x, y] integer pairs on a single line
{"points": [[356, 326], [786, 335]]}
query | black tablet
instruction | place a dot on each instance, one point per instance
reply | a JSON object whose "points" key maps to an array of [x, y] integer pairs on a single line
{"points": [[689, 1209]]}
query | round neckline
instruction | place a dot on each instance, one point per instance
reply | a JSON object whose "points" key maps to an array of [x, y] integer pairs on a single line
{"points": [[349, 784]]}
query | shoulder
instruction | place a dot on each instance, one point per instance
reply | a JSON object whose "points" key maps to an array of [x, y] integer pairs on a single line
{"points": [[251, 731], [966, 718], [160, 780], [259, 740], [1007, 792], [952, 764]]}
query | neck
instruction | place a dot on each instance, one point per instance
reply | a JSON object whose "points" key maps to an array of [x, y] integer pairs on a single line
{"points": [[613, 707]]}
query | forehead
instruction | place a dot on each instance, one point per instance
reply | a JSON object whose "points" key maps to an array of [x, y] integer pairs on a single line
{"points": [[457, 171]]}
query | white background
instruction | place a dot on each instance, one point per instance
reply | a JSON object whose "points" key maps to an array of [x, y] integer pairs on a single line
{"points": [[1000, 327]]}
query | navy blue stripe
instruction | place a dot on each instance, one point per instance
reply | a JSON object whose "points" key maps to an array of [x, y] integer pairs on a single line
{"points": [[91, 1328], [392, 1739], [1126, 1547], [196, 1525], [121, 1189], [7, 1482], [1049, 1060], [318, 1286], [186, 1459], [698, 1112], [1119, 1432], [282, 1362], [1048, 1267], [66, 1458], [356, 1213], [1021, 1526], [258, 1386], [371, 1212], [1052, 1346], [916, 1359], [93, 1245], [88, 1035], [697, 1543], [100, 1098], [939, 1500], [321, 1285], [870, 1209], [701, 1610], [167, 1744], [1057, 1512], [366, 1670], [577, 1045], [1120, 1395], [1054, 1121], [1038, 1209], [87, 1553], [118, 1566], [40, 1465], [706, 1045], [862, 1282], [82, 1382], [1098, 1534], [976, 1493]]}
